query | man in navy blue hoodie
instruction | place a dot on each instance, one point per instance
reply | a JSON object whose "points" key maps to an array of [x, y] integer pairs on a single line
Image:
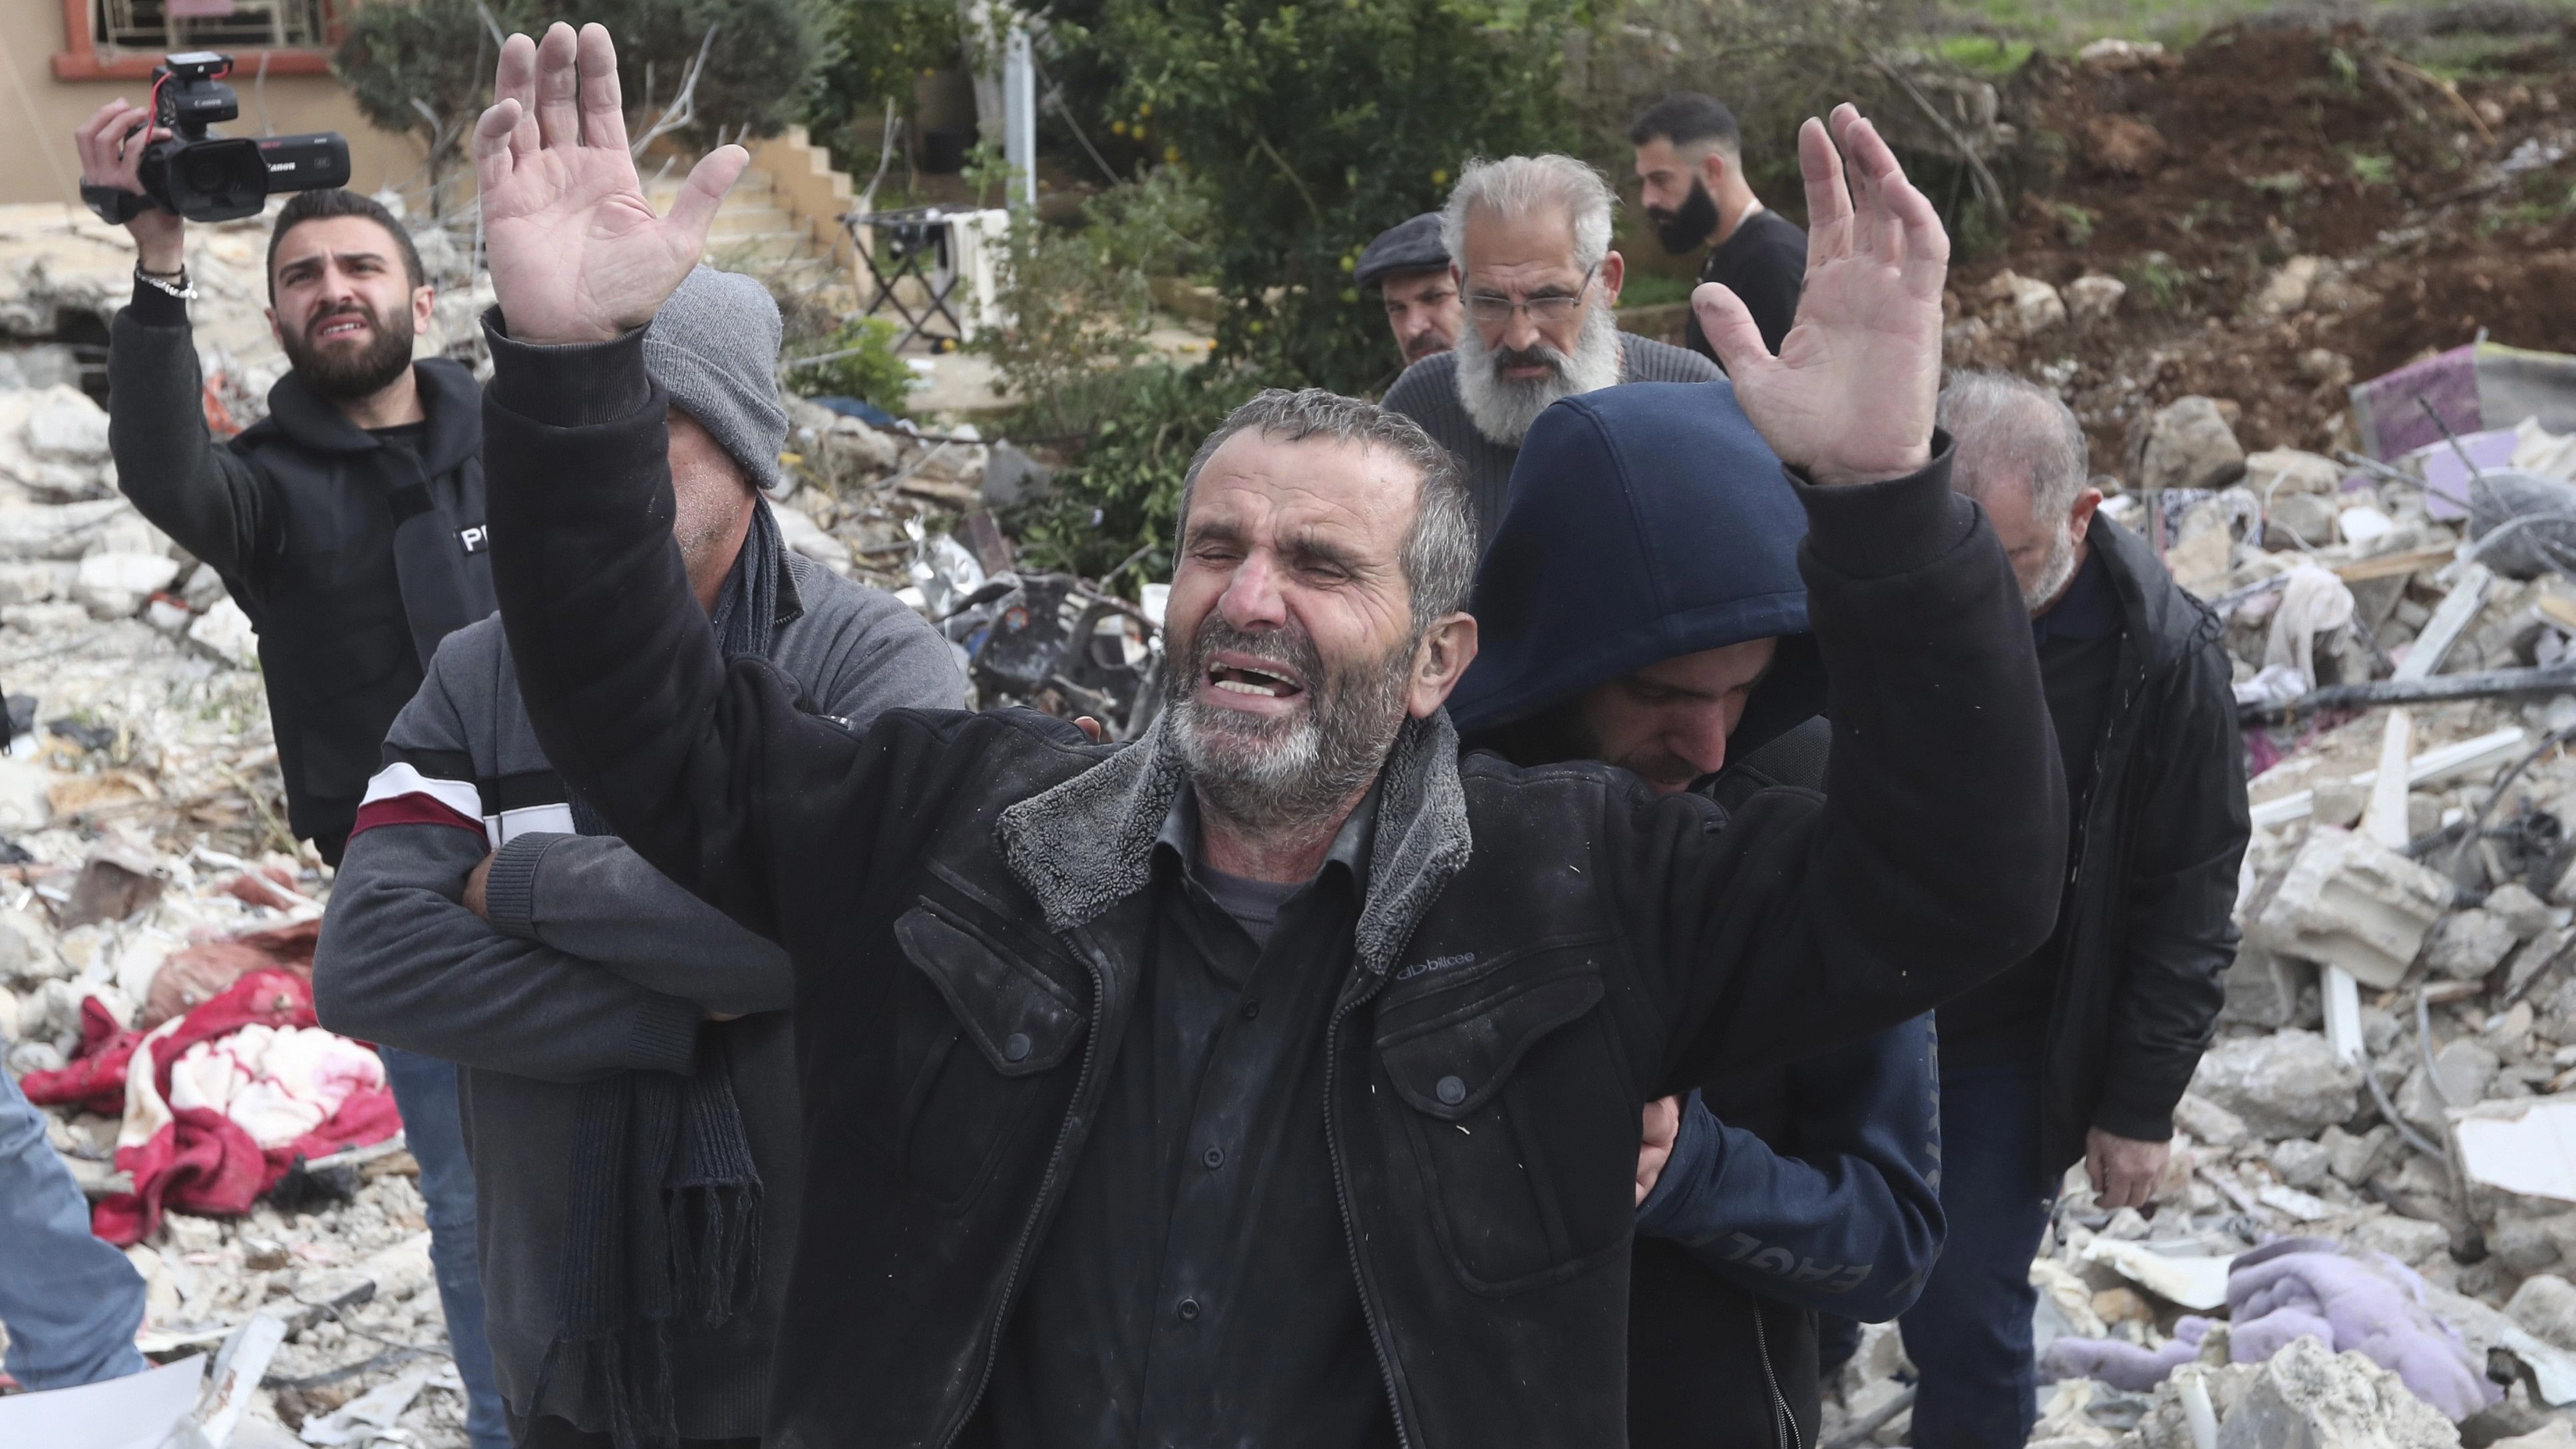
{"points": [[1641, 605]]}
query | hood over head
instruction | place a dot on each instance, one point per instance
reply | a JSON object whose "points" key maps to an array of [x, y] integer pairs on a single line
{"points": [[1644, 522]]}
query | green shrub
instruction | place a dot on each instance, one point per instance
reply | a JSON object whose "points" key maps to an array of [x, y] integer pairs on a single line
{"points": [[861, 363], [1312, 127], [1111, 512], [870, 53]]}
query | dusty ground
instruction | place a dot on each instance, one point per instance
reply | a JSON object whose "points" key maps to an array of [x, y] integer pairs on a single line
{"points": [[2195, 177]]}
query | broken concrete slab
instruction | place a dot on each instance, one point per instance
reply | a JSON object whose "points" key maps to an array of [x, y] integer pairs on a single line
{"points": [[2526, 1146], [2288, 1084], [2468, 945], [2462, 1072], [2187, 444], [2263, 989], [2411, 1241], [2527, 914], [2308, 1397], [2349, 902], [2545, 1305], [115, 585], [2355, 1159], [2209, 1123], [2303, 1164], [2279, 472], [2197, 1281]]}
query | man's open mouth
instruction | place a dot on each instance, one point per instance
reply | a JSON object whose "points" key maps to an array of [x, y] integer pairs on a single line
{"points": [[343, 325], [1243, 679]]}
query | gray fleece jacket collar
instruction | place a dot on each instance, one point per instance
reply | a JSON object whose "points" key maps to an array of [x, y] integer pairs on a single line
{"points": [[1088, 843]]}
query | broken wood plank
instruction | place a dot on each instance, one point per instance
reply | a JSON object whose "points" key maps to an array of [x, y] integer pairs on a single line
{"points": [[2383, 820], [2387, 565], [2493, 748], [2451, 618]]}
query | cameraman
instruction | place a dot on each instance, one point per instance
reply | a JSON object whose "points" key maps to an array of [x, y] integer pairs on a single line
{"points": [[348, 525]]}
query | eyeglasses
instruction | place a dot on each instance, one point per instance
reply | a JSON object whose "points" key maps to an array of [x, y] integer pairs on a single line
{"points": [[1493, 308]]}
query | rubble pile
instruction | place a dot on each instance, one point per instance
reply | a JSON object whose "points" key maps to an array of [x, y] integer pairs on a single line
{"points": [[2367, 1234], [914, 512], [144, 858], [2271, 215]]}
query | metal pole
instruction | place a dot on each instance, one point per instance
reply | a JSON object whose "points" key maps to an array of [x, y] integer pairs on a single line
{"points": [[1020, 111]]}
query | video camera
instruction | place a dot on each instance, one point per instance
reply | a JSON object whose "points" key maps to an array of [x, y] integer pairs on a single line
{"points": [[208, 178]]}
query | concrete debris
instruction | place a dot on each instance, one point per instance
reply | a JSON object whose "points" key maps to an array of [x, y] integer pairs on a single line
{"points": [[2094, 297], [2289, 1084], [2187, 444], [2348, 901], [2545, 1304], [2460, 1074], [2310, 1398], [2025, 304], [2287, 290], [2469, 945]]}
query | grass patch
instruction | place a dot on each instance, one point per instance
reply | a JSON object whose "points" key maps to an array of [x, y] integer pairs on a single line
{"points": [[2075, 223], [2065, 25], [2157, 278], [1986, 55], [2372, 168], [1654, 289]]}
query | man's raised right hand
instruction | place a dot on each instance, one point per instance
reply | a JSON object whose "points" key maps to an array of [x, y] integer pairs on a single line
{"points": [[111, 146], [577, 254]]}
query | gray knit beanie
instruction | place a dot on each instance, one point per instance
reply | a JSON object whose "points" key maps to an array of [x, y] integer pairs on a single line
{"points": [[714, 349]]}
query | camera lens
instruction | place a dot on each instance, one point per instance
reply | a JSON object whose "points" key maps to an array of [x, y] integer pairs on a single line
{"points": [[205, 174]]}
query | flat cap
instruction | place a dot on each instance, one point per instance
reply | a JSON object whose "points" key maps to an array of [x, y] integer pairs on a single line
{"points": [[1407, 246]]}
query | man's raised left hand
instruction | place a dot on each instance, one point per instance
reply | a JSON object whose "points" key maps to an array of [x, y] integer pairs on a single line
{"points": [[1849, 398]]}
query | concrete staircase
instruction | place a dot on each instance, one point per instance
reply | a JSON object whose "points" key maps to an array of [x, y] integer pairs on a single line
{"points": [[758, 231]]}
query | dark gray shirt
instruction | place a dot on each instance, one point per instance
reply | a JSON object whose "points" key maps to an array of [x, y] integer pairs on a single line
{"points": [[1428, 394], [1190, 1293]]}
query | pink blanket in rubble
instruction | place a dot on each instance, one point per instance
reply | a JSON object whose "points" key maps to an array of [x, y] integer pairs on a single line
{"points": [[221, 1102]]}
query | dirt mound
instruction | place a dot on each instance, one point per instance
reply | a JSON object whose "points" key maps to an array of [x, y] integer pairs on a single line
{"points": [[2289, 210]]}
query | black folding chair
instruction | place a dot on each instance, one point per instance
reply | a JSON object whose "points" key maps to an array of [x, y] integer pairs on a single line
{"points": [[915, 242]]}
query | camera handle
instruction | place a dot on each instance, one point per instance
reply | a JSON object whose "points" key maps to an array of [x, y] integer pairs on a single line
{"points": [[114, 204]]}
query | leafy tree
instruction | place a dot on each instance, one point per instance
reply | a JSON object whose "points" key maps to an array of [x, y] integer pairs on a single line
{"points": [[1313, 126], [426, 69], [870, 52], [756, 66]]}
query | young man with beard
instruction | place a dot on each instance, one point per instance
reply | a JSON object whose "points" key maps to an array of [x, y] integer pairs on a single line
{"points": [[1690, 170], [1641, 606], [2082, 1049], [1274, 1078], [1409, 267], [593, 1003], [348, 525], [1529, 242]]}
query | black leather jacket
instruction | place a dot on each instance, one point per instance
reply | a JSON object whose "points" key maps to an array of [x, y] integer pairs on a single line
{"points": [[1538, 952], [2149, 930]]}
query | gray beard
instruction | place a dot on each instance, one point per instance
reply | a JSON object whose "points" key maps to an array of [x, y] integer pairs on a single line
{"points": [[2053, 577], [1503, 408], [1292, 772]]}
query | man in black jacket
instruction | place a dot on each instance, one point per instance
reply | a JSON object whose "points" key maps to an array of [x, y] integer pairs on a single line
{"points": [[1641, 605], [348, 525], [2081, 1050], [1276, 1077]]}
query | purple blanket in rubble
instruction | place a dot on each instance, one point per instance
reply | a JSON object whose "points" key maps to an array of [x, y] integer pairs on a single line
{"points": [[2352, 1301]]}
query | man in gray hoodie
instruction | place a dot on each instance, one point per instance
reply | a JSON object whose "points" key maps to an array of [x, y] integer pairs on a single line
{"points": [[628, 1090]]}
